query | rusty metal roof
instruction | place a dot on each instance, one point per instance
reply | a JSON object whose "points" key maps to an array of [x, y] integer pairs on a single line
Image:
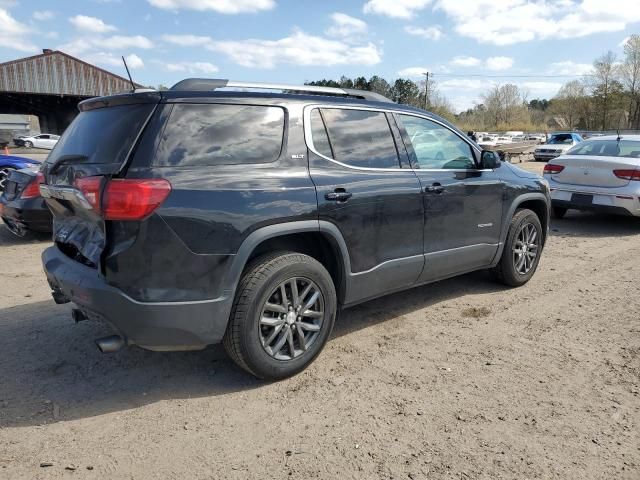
{"points": [[57, 73]]}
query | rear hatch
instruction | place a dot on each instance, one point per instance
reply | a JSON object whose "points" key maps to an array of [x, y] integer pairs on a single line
{"points": [[594, 171], [95, 147]]}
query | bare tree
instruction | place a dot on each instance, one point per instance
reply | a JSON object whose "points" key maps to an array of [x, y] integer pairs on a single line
{"points": [[630, 72], [606, 89], [569, 102]]}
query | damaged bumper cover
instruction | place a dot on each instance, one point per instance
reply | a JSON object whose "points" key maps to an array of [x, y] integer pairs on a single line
{"points": [[160, 326]]}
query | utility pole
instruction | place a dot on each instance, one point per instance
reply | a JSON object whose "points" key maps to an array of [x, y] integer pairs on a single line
{"points": [[426, 91]]}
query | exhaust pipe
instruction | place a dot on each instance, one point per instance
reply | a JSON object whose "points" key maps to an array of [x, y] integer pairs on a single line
{"points": [[78, 315], [110, 344]]}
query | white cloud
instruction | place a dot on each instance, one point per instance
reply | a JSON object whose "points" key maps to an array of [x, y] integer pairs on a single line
{"points": [[412, 72], [395, 8], [465, 61], [346, 26], [14, 35], [569, 67], [624, 42], [499, 63], [191, 67], [134, 61], [42, 15], [220, 6], [188, 40], [430, 33], [121, 42], [91, 24], [505, 22], [297, 49]]}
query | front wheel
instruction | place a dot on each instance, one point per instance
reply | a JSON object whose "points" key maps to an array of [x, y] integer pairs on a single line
{"points": [[282, 315], [522, 249], [28, 144]]}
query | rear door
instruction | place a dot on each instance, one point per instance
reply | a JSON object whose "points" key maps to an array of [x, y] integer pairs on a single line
{"points": [[97, 144], [370, 194], [463, 205]]}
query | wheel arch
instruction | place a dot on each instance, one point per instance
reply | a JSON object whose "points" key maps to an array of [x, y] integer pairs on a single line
{"points": [[320, 240]]}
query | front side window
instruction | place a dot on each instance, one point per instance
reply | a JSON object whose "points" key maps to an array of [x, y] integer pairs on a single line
{"points": [[221, 134], [435, 146], [359, 138]]}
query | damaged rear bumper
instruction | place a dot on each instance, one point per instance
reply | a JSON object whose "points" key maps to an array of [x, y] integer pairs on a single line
{"points": [[158, 326]]}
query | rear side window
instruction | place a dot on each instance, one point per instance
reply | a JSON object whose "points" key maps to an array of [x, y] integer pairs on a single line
{"points": [[219, 134], [359, 138], [103, 135]]}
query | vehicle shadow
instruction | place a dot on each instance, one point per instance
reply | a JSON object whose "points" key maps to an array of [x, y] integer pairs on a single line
{"points": [[51, 371], [8, 238], [589, 224]]}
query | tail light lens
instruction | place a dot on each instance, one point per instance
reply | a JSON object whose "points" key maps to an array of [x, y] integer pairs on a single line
{"points": [[32, 190], [627, 174], [124, 199], [131, 199], [551, 168]]}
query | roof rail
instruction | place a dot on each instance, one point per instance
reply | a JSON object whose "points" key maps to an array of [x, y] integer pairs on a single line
{"points": [[205, 84]]}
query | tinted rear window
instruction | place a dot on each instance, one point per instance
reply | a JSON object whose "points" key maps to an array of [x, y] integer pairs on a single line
{"points": [[103, 135], [221, 135], [360, 138], [608, 148]]}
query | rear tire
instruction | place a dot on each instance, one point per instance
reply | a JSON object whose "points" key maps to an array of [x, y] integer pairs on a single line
{"points": [[274, 336], [524, 239], [558, 212]]}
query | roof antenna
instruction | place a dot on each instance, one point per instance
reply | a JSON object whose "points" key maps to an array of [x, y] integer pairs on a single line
{"points": [[619, 137], [133, 85]]}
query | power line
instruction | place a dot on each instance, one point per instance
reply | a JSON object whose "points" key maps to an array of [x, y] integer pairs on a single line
{"points": [[480, 75]]}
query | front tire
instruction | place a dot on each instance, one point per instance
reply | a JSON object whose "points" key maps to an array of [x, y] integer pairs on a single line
{"points": [[522, 250], [28, 144], [4, 173], [282, 315]]}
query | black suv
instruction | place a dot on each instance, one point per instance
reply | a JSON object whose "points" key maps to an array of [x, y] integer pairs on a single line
{"points": [[201, 214]]}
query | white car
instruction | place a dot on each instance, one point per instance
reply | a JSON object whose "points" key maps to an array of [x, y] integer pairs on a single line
{"points": [[599, 174], [556, 145], [44, 140]]}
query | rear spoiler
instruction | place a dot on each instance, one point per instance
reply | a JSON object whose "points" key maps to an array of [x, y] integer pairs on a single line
{"points": [[140, 97]]}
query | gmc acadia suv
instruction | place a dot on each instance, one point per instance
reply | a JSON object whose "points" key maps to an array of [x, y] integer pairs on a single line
{"points": [[201, 214]]}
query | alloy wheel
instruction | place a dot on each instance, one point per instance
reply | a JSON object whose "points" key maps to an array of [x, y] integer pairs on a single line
{"points": [[525, 248], [291, 318], [4, 173]]}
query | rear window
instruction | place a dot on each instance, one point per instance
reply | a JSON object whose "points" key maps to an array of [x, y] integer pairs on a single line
{"points": [[359, 138], [607, 148], [103, 135], [221, 134], [560, 140]]}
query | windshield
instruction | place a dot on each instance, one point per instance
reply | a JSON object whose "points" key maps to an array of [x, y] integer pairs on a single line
{"points": [[564, 139], [608, 148], [103, 135]]}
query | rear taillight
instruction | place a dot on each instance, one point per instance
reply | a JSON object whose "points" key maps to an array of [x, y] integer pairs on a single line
{"points": [[627, 174], [132, 199], [124, 198], [551, 168], [32, 190]]}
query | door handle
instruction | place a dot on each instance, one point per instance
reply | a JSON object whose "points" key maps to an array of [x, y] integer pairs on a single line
{"points": [[338, 195], [435, 188]]}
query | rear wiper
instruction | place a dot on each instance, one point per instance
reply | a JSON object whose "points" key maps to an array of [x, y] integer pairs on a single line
{"points": [[66, 159]]}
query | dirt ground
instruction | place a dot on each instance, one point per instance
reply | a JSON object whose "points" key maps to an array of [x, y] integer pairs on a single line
{"points": [[462, 379]]}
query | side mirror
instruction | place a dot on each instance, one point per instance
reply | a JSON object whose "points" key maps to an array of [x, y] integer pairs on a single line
{"points": [[489, 160]]}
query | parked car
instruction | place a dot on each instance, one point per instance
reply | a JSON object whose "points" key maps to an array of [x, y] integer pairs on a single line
{"points": [[503, 139], [249, 218], [12, 162], [18, 140], [487, 141], [22, 208], [44, 140], [518, 138], [599, 174], [556, 145]]}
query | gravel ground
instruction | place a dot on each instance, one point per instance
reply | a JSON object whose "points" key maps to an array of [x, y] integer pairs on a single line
{"points": [[461, 379]]}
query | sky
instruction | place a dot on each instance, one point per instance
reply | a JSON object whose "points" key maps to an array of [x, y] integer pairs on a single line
{"points": [[468, 45]]}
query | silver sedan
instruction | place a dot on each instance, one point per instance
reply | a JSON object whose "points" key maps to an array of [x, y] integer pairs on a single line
{"points": [[599, 174]]}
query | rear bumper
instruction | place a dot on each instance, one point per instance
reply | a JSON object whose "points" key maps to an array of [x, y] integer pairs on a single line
{"points": [[545, 157], [31, 214], [620, 204], [151, 325]]}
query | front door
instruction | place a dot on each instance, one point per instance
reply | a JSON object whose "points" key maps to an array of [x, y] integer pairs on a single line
{"points": [[462, 203], [370, 194]]}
